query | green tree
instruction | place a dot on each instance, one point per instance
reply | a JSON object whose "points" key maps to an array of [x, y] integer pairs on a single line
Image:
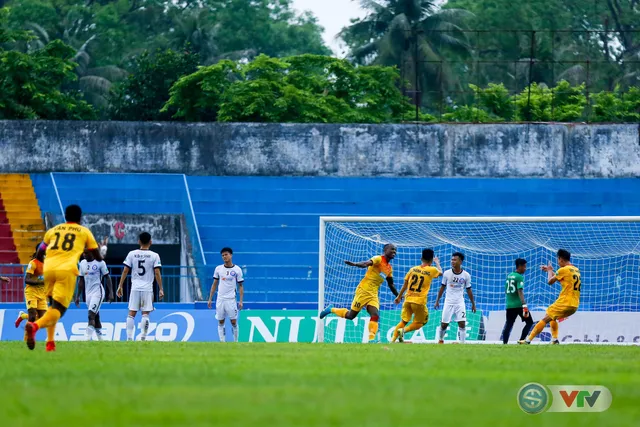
{"points": [[145, 91], [415, 35], [304, 89], [568, 33], [31, 84]]}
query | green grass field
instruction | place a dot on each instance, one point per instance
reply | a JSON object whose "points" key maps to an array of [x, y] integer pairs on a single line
{"points": [[206, 384]]}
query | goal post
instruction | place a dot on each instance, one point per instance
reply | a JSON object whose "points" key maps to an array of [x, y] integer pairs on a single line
{"points": [[605, 249]]}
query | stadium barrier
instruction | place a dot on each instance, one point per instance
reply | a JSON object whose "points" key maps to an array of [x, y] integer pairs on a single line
{"points": [[194, 323]]}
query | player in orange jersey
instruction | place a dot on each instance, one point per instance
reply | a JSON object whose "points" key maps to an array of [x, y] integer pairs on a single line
{"points": [[34, 289], [64, 244], [417, 283], [367, 291], [568, 301]]}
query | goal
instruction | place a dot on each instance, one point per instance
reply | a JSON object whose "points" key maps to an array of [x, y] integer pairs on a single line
{"points": [[605, 249]]}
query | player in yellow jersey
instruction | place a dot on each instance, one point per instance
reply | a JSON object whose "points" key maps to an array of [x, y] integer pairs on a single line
{"points": [[367, 291], [64, 244], [417, 282], [34, 290], [568, 301]]}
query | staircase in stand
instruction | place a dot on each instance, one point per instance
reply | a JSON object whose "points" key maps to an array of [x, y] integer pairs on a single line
{"points": [[21, 228]]}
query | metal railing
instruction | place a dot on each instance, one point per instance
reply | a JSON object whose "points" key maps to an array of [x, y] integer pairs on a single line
{"points": [[172, 278]]}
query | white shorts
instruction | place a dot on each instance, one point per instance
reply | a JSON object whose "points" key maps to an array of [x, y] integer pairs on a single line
{"points": [[95, 300], [141, 301], [226, 309], [455, 312]]}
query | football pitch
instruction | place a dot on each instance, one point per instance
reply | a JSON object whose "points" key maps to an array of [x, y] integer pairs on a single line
{"points": [[218, 384]]}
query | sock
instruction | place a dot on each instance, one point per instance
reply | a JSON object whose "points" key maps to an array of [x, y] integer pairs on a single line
{"points": [[441, 333], [51, 333], [554, 329], [130, 327], [89, 332], [373, 327], [235, 332], [413, 326], [536, 330], [340, 312], [50, 318], [145, 325], [221, 333], [395, 331], [24, 316], [462, 334]]}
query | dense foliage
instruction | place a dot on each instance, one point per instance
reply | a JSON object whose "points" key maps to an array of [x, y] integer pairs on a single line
{"points": [[260, 60]]}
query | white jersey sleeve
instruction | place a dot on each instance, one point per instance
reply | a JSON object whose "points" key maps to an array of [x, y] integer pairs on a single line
{"points": [[82, 267], [104, 270], [128, 261]]}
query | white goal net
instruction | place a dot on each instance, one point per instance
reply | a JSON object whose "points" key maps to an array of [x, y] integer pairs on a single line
{"points": [[605, 249]]}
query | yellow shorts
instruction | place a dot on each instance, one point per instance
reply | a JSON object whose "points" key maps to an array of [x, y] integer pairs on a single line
{"points": [[559, 311], [61, 285], [418, 311], [35, 297], [362, 299]]}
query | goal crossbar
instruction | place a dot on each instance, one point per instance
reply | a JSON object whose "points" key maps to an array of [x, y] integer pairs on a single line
{"points": [[324, 219]]}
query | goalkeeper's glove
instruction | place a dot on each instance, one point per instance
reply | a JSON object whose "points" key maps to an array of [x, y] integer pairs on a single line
{"points": [[525, 310]]}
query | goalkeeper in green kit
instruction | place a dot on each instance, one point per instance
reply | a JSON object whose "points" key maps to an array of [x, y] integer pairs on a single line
{"points": [[516, 304]]}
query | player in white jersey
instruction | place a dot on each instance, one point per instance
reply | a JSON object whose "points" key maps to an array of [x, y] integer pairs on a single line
{"points": [[144, 265], [92, 273], [230, 279], [455, 281]]}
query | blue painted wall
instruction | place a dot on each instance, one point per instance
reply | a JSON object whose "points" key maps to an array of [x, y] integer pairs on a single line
{"points": [[272, 223]]}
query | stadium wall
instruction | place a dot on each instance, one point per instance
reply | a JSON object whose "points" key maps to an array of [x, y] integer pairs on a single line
{"points": [[492, 150]]}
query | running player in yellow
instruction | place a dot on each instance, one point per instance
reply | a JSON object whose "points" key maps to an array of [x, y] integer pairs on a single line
{"points": [[418, 282], [64, 244], [367, 291], [568, 301], [34, 291]]}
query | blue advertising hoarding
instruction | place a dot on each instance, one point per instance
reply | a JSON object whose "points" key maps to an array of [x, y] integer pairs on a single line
{"points": [[170, 322]]}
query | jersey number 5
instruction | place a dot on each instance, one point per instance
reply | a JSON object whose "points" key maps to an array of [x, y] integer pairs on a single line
{"points": [[67, 242], [414, 280], [141, 268]]}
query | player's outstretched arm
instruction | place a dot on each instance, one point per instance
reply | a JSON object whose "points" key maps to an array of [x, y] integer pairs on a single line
{"points": [[440, 292], [4, 279], [392, 287], [109, 284], [436, 261], [525, 309], [402, 291], [551, 275], [125, 273], [363, 264], [472, 299], [213, 291], [80, 290], [159, 280]]}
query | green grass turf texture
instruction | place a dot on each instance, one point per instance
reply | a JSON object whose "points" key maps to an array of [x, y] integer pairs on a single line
{"points": [[304, 385]]}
